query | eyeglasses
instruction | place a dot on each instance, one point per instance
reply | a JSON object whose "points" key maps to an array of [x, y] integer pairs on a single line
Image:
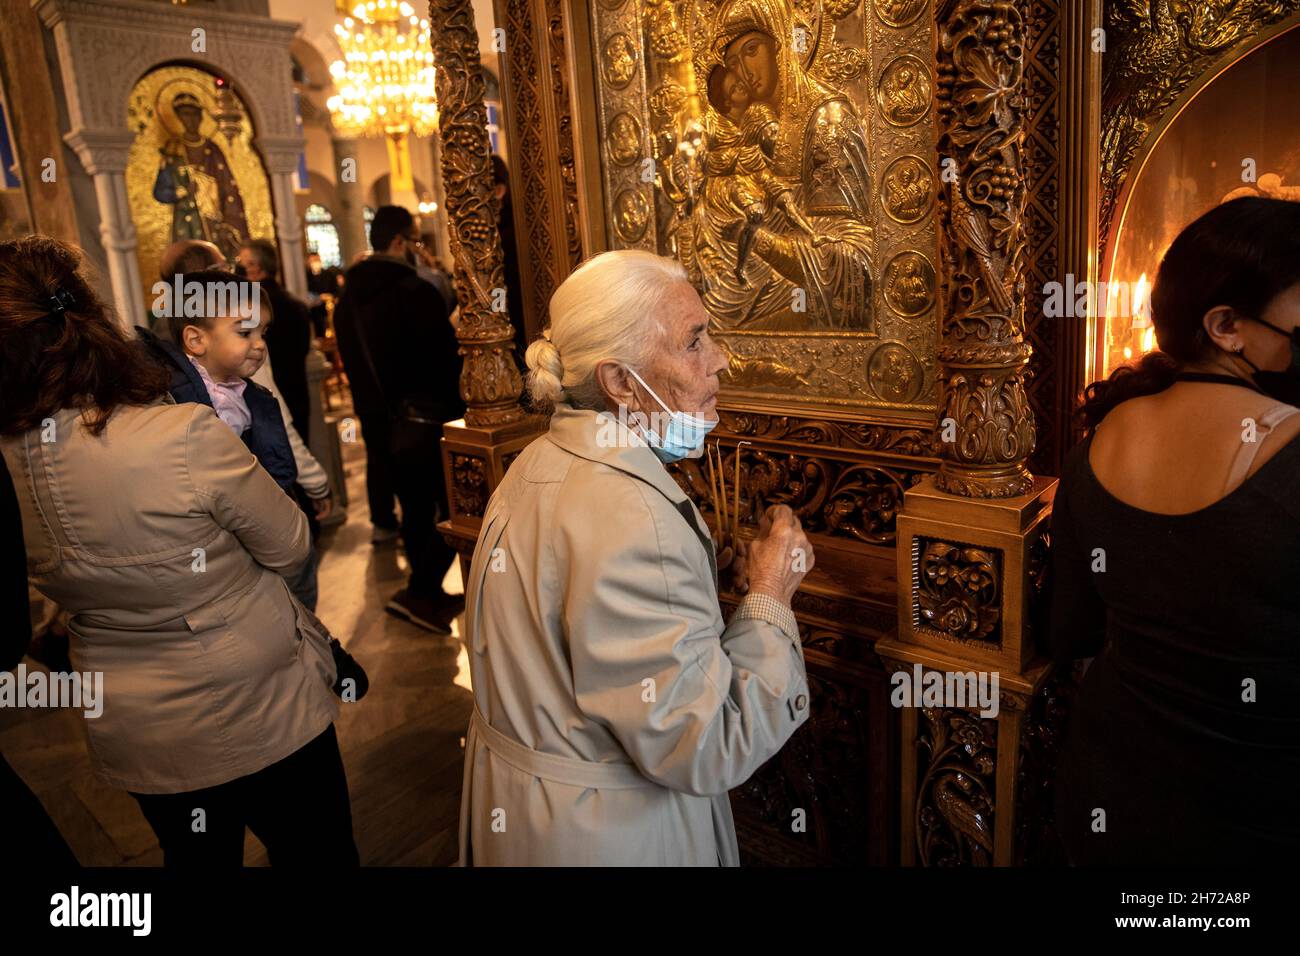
{"points": [[414, 240]]}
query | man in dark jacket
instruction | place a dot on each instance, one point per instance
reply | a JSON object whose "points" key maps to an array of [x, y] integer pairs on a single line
{"points": [[403, 363], [288, 338], [510, 255]]}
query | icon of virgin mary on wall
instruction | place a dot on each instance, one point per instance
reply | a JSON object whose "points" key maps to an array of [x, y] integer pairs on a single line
{"points": [[782, 237]]}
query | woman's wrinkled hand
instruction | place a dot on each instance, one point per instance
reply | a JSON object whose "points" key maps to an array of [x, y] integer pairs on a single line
{"points": [[777, 560]]}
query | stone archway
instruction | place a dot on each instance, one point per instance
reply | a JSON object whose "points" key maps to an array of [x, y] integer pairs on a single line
{"points": [[105, 46]]}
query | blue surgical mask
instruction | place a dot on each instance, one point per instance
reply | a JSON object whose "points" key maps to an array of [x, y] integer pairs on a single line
{"points": [[684, 435]]}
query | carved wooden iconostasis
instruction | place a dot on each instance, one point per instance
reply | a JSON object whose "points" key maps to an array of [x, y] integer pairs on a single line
{"points": [[870, 196]]}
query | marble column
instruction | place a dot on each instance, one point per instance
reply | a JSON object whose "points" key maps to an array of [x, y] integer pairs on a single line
{"points": [[281, 156], [104, 153], [349, 217]]}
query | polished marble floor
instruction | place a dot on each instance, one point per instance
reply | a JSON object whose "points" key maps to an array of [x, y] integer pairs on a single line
{"points": [[402, 745]]}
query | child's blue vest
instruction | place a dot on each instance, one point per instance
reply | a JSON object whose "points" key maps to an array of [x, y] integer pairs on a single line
{"points": [[266, 437]]}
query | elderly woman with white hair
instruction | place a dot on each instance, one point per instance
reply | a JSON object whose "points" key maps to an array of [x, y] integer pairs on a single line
{"points": [[614, 709]]}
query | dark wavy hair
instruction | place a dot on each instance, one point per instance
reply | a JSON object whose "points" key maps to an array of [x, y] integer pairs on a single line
{"points": [[1242, 254], [219, 285], [51, 360]]}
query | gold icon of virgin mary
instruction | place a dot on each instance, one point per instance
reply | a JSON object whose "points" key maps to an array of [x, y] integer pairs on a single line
{"points": [[787, 184], [781, 237]]}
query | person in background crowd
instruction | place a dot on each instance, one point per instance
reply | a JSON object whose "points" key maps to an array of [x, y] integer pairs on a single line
{"points": [[186, 255], [30, 834], [217, 689], [321, 281], [1174, 564], [431, 271], [514, 292], [289, 339], [403, 362]]}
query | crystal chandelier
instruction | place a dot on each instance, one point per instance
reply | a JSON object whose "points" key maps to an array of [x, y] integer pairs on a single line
{"points": [[385, 79]]}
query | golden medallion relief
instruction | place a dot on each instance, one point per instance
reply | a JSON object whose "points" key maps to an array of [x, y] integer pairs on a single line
{"points": [[783, 151]]}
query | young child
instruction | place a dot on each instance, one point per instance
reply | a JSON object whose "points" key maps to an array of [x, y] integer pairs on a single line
{"points": [[213, 358], [742, 146]]}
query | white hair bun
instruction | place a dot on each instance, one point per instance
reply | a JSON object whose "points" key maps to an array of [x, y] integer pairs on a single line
{"points": [[546, 371]]}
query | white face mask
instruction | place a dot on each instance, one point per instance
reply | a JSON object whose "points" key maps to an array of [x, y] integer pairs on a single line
{"points": [[684, 435]]}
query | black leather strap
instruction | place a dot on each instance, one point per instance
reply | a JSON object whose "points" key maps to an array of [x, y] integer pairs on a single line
{"points": [[1215, 378]]}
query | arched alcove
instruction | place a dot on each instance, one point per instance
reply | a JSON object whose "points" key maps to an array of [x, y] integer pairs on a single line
{"points": [[1237, 134], [381, 193], [106, 46]]}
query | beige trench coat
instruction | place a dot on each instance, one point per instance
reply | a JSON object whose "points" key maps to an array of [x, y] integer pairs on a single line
{"points": [[164, 538], [613, 708]]}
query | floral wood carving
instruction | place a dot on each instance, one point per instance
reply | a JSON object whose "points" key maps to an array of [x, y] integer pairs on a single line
{"points": [[823, 771], [982, 107], [468, 484], [957, 761], [847, 499], [489, 382], [958, 590], [1041, 739], [920, 442]]}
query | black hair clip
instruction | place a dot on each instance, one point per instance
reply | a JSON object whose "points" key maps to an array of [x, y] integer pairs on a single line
{"points": [[61, 300]]}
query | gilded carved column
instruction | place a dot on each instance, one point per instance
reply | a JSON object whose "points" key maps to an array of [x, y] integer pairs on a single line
{"points": [[972, 540], [983, 354], [490, 381], [476, 451]]}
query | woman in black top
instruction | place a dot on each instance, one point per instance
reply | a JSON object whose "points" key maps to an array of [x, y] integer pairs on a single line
{"points": [[1176, 557]]}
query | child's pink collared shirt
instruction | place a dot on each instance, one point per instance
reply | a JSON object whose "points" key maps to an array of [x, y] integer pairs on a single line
{"points": [[227, 399]]}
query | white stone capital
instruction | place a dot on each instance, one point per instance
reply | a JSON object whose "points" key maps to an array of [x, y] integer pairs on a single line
{"points": [[101, 150], [280, 153]]}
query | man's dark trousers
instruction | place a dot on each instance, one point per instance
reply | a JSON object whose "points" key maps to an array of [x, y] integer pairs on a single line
{"points": [[423, 493], [381, 477]]}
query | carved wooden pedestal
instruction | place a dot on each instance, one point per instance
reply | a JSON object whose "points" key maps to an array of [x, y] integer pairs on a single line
{"points": [[474, 460], [969, 574]]}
